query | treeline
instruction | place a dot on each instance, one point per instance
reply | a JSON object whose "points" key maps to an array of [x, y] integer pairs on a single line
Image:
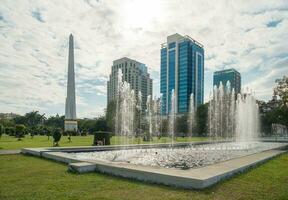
{"points": [[34, 123]]}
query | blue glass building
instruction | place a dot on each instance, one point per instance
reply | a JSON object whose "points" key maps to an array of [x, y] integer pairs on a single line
{"points": [[182, 70], [231, 75]]}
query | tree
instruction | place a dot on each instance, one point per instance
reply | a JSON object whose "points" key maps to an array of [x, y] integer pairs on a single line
{"points": [[182, 126], [201, 117], [100, 125], [57, 133], [164, 128], [86, 125], [1, 130], [34, 118], [281, 90], [20, 131], [110, 115], [20, 120], [10, 131], [55, 121], [7, 122], [47, 131], [276, 116]]}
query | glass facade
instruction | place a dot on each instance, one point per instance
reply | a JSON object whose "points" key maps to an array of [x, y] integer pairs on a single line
{"points": [[185, 60], [231, 75], [163, 79], [171, 76], [183, 78]]}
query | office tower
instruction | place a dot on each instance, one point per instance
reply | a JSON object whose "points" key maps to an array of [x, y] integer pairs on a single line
{"points": [[70, 109], [182, 71], [231, 75], [135, 73]]}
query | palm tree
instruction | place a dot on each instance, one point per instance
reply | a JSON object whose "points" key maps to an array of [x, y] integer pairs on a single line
{"points": [[34, 118]]}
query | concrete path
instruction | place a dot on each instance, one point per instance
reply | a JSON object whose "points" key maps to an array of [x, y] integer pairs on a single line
{"points": [[7, 152]]}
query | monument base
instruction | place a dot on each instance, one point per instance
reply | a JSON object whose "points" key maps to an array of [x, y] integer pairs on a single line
{"points": [[70, 125]]}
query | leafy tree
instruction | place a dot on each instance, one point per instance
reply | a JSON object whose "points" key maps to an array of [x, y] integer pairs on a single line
{"points": [[57, 133], [201, 117], [20, 120], [181, 125], [10, 131], [277, 116], [20, 131], [1, 130], [281, 90], [110, 115], [55, 121], [47, 131], [7, 122], [86, 125], [164, 128], [100, 125], [34, 118]]}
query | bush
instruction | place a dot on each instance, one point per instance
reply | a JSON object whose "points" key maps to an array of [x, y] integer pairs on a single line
{"points": [[57, 133], [102, 138], [19, 131]]}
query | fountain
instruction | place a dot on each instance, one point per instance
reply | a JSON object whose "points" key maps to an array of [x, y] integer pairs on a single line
{"points": [[172, 117], [191, 116], [125, 111], [230, 119], [233, 147], [233, 129]]}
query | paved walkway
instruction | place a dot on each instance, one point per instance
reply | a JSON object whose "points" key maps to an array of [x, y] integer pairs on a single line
{"points": [[6, 152]]}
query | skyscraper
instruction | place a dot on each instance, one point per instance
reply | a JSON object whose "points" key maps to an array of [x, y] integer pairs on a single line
{"points": [[134, 73], [182, 70], [70, 109], [231, 75]]}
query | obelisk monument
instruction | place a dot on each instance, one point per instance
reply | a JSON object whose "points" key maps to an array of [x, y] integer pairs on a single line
{"points": [[70, 109]]}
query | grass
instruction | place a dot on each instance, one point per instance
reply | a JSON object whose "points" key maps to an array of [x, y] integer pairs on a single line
{"points": [[27, 178], [8, 142]]}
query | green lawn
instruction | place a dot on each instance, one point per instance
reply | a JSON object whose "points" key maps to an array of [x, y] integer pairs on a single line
{"points": [[8, 142], [25, 177]]}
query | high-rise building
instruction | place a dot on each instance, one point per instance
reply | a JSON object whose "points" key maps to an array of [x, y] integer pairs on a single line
{"points": [[70, 109], [135, 73], [182, 70], [231, 75]]}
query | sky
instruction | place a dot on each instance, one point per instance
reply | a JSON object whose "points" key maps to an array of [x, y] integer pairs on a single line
{"points": [[250, 36]]}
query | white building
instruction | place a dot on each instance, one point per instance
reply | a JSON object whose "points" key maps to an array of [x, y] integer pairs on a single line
{"points": [[134, 73]]}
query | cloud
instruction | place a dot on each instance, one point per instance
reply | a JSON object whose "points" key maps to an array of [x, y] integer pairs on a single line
{"points": [[37, 15], [249, 36]]}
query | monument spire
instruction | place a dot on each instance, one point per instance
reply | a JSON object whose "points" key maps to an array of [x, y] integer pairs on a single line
{"points": [[70, 109]]}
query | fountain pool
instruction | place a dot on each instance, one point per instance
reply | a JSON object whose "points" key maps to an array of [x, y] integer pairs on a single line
{"points": [[191, 156]]}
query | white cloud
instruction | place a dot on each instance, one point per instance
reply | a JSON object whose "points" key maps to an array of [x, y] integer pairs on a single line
{"points": [[34, 38]]}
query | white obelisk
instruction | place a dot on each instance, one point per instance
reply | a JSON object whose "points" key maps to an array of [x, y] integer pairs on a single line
{"points": [[70, 109]]}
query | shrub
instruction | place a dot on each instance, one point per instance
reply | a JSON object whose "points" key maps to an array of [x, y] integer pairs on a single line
{"points": [[102, 137], [19, 131], [57, 133]]}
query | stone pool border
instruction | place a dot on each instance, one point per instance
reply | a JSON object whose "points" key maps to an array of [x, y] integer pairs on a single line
{"points": [[198, 178]]}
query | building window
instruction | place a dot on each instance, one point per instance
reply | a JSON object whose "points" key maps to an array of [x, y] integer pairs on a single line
{"points": [[172, 45]]}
